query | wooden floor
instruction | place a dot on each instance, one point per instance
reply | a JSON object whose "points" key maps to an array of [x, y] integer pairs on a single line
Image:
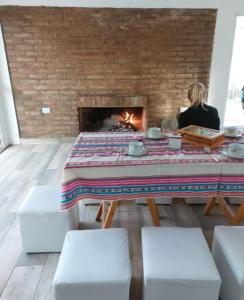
{"points": [[30, 276]]}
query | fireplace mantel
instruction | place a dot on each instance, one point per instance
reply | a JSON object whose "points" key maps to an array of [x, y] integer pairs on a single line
{"points": [[112, 101]]}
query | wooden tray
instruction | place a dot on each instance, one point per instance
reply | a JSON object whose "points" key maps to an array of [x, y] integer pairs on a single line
{"points": [[201, 136]]}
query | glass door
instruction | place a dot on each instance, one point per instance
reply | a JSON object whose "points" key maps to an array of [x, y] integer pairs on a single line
{"points": [[1, 140], [3, 135], [234, 115]]}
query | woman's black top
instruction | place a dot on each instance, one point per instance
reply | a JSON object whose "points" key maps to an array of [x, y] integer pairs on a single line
{"points": [[206, 116]]}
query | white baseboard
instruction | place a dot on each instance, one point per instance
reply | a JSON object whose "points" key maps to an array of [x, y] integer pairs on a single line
{"points": [[27, 141]]}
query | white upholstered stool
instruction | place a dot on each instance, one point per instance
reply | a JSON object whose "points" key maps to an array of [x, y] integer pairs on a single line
{"points": [[168, 200], [42, 225], [178, 265], [94, 264], [228, 253]]}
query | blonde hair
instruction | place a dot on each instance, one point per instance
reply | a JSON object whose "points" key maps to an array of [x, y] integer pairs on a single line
{"points": [[196, 94]]}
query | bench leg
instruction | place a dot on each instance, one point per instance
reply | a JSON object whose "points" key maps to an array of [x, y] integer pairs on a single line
{"points": [[239, 215], [225, 208], [233, 218], [109, 217], [99, 213], [209, 205], [154, 211]]}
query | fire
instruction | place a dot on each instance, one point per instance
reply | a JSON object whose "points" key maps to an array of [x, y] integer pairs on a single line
{"points": [[127, 122], [129, 117]]}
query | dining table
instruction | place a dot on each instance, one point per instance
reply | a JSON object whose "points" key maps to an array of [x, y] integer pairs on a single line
{"points": [[99, 167]]}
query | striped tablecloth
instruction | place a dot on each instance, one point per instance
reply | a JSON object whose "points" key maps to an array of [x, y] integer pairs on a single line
{"points": [[100, 168]]}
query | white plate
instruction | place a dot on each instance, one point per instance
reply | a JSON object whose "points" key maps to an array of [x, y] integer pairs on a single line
{"points": [[233, 155], [136, 154], [155, 138], [237, 136]]}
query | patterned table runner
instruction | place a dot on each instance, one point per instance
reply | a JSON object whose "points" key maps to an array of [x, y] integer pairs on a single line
{"points": [[100, 168]]}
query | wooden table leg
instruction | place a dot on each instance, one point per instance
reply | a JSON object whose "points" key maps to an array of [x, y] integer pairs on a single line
{"points": [[99, 213], [209, 205], [225, 208], [239, 215], [233, 218], [104, 211], [154, 211], [109, 217]]}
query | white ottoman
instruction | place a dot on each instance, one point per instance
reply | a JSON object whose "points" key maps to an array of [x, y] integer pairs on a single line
{"points": [[167, 200], [196, 200], [161, 200], [228, 253], [94, 264], [235, 200], [42, 225], [178, 265], [90, 201]]}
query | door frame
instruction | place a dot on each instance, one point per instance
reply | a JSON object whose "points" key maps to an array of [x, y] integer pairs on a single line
{"points": [[8, 117]]}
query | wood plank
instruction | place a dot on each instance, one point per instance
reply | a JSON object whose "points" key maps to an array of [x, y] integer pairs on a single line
{"points": [[209, 222], [44, 290], [225, 208], [14, 231], [12, 163], [184, 216], [32, 259], [20, 192], [58, 160], [22, 283], [167, 215], [48, 177], [10, 250], [6, 220]]}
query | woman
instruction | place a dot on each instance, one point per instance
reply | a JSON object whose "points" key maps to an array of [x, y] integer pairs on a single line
{"points": [[199, 113], [242, 97]]}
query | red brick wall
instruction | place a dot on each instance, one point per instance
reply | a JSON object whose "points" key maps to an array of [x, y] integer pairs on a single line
{"points": [[56, 53]]}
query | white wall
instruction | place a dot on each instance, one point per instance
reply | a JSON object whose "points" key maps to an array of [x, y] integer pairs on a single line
{"points": [[8, 120], [119, 3], [224, 36]]}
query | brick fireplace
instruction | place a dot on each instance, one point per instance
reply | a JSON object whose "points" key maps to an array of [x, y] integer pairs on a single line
{"points": [[103, 112], [54, 54]]}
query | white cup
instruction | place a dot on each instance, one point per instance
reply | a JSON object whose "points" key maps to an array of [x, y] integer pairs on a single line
{"points": [[235, 148], [136, 148], [174, 141], [154, 132], [231, 130]]}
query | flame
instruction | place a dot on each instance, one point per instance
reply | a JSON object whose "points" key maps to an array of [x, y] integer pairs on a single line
{"points": [[129, 117]]}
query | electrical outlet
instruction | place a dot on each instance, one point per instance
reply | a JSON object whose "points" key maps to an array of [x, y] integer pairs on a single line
{"points": [[46, 110]]}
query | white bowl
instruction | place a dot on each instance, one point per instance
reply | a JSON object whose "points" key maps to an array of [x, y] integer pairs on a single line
{"points": [[137, 153], [154, 132], [236, 148], [231, 131]]}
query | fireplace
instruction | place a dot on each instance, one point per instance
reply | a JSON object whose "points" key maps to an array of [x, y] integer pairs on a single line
{"points": [[112, 113], [111, 118]]}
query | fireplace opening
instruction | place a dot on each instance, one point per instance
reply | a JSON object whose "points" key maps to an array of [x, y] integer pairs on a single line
{"points": [[124, 119]]}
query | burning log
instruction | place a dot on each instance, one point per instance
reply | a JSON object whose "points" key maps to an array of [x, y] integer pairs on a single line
{"points": [[126, 126], [127, 123]]}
